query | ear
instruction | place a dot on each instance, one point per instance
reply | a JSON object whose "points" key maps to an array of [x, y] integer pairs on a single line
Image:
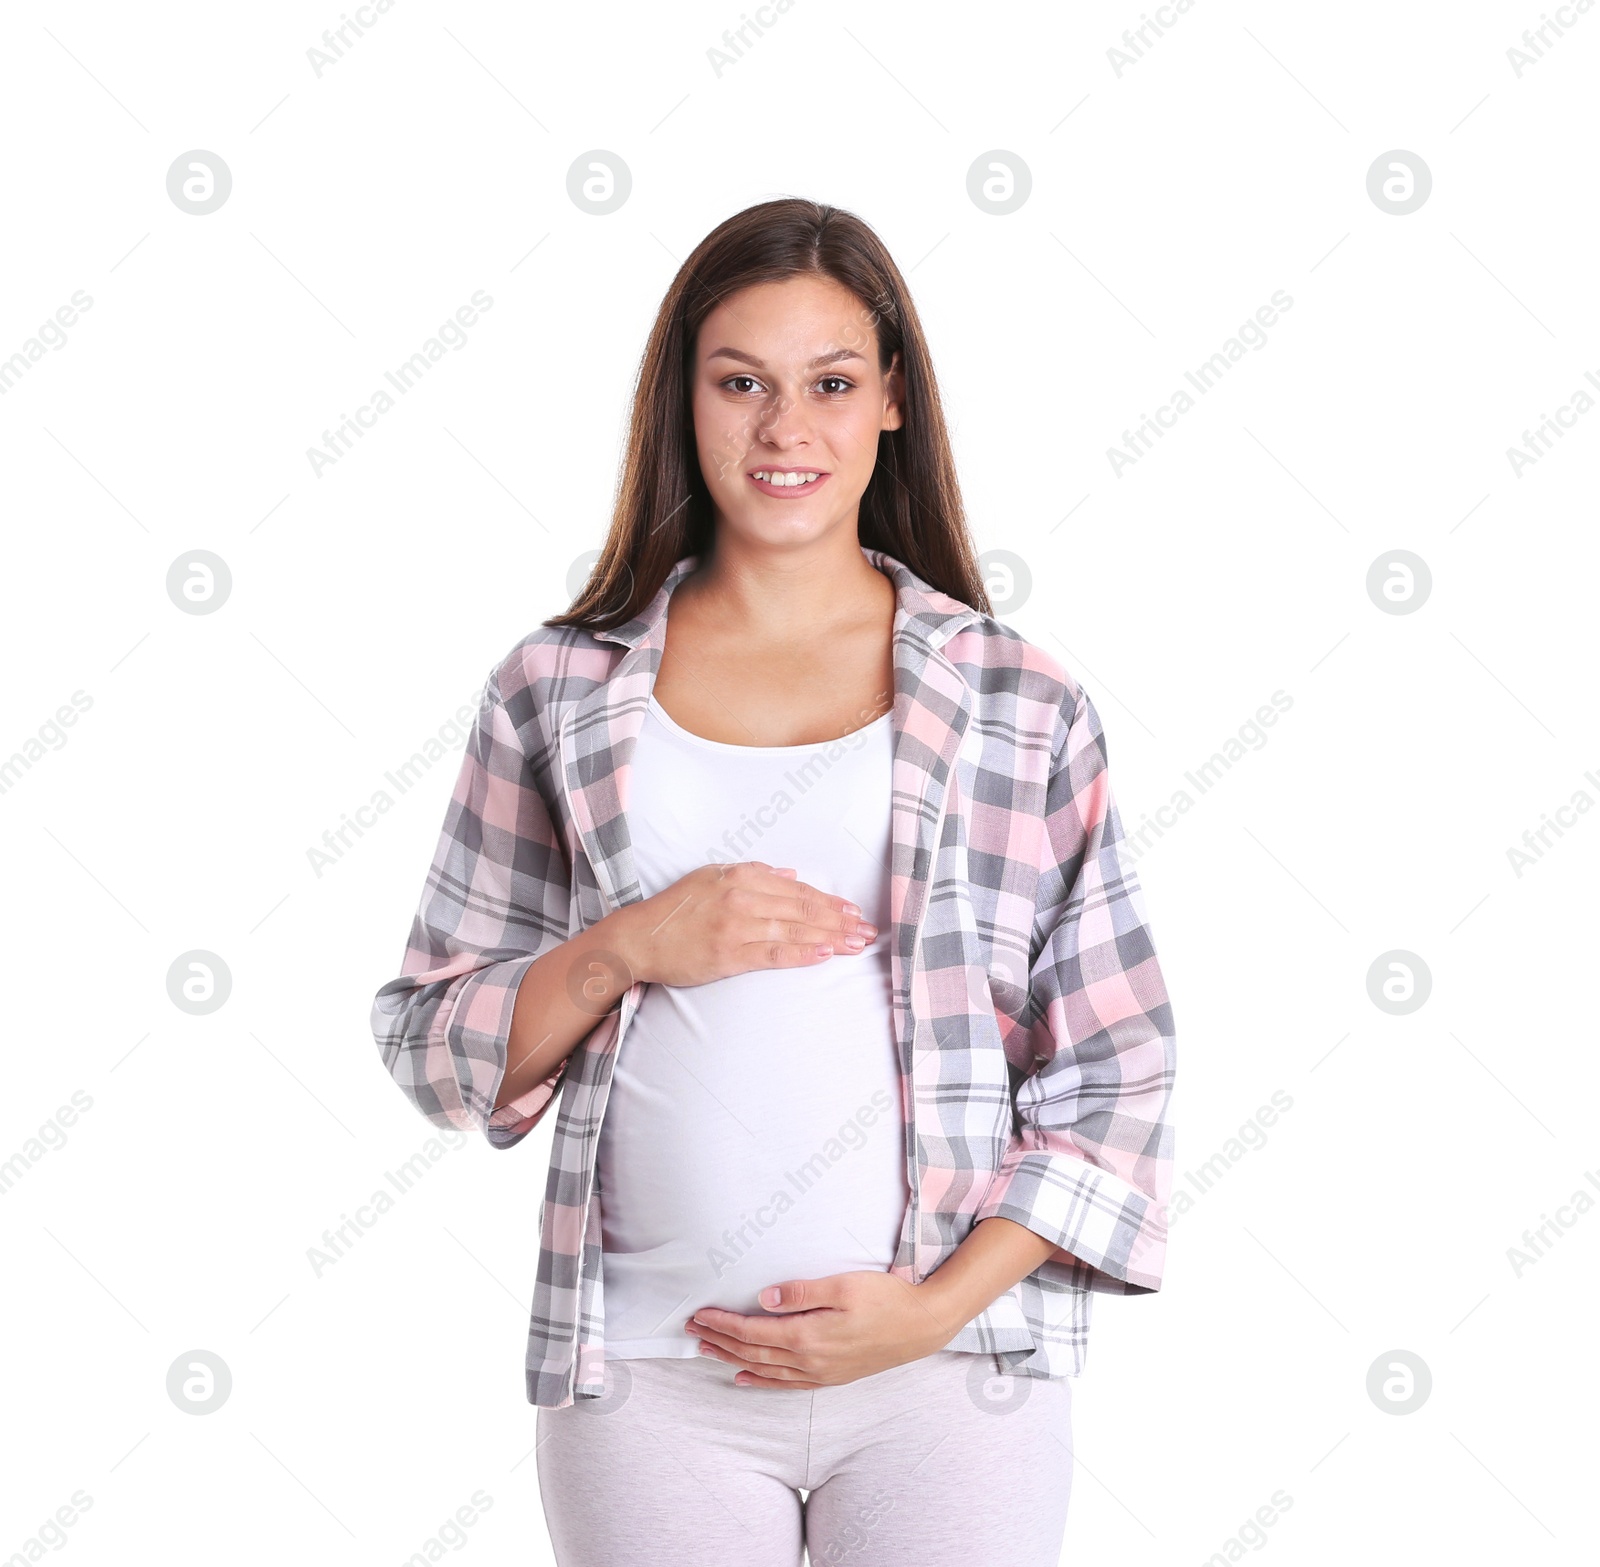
{"points": [[894, 391]]}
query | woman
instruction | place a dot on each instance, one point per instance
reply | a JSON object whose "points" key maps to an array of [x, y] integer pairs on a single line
{"points": [[800, 872]]}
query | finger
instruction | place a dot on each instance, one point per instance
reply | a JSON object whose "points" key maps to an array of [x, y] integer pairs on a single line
{"points": [[761, 899], [752, 1379], [800, 936], [767, 1356], [802, 1294], [800, 900], [773, 1376], [814, 916], [765, 1375], [787, 872], [823, 908], [784, 954], [738, 1329], [775, 1373]]}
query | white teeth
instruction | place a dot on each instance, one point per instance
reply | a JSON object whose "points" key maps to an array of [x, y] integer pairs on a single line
{"points": [[787, 480]]}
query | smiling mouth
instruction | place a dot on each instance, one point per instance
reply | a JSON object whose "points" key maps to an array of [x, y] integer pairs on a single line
{"points": [[787, 481]]}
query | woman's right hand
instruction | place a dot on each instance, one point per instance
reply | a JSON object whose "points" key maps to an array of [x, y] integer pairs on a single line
{"points": [[716, 921], [729, 919]]}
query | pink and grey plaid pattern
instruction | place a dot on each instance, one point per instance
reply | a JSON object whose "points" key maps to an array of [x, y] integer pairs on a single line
{"points": [[1035, 1032]]}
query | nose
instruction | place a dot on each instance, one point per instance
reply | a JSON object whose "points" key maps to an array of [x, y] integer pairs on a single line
{"points": [[784, 423]]}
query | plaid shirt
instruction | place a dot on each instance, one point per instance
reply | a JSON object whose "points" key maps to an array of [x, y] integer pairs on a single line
{"points": [[1032, 1021]]}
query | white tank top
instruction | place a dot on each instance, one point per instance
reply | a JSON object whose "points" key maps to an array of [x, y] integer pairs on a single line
{"points": [[754, 1127]]}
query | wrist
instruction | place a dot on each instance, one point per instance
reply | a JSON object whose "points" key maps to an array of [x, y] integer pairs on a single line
{"points": [[942, 1309], [626, 932]]}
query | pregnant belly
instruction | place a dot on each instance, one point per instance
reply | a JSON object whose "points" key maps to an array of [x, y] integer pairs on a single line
{"points": [[753, 1134]]}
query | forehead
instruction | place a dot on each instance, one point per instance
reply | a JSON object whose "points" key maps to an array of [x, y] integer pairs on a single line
{"points": [[796, 320]]}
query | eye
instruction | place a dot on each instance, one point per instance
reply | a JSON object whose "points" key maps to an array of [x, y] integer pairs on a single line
{"points": [[844, 384], [732, 378]]}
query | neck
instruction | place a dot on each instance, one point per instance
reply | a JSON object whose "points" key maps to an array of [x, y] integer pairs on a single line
{"points": [[788, 588]]}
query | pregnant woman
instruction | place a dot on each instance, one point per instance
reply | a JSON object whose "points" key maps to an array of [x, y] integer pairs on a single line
{"points": [[798, 875]]}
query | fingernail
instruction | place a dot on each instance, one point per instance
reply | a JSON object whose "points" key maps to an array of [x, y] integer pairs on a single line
{"points": [[869, 931], [824, 950], [850, 908], [855, 943]]}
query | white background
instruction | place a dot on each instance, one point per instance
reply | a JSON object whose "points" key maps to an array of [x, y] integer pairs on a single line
{"points": [[1168, 203]]}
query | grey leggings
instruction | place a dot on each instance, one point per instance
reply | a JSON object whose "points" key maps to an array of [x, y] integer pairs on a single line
{"points": [[940, 1462]]}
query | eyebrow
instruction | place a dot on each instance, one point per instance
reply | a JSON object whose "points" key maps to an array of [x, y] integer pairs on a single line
{"points": [[750, 359]]}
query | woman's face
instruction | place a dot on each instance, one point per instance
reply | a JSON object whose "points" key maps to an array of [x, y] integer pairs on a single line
{"points": [[786, 383]]}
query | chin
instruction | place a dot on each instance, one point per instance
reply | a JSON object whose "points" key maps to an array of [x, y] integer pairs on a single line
{"points": [[784, 530]]}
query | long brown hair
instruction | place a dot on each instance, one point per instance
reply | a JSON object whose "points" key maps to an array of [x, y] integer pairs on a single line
{"points": [[911, 507]]}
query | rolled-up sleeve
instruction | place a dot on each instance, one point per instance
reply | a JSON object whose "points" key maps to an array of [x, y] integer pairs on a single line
{"points": [[1090, 1165], [496, 898]]}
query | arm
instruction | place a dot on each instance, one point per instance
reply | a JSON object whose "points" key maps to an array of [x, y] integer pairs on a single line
{"points": [[494, 996], [877, 1320], [995, 1255], [1090, 1166], [1083, 1186], [494, 903], [717, 920], [563, 994]]}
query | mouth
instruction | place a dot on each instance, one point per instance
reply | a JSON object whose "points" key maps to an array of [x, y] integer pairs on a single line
{"points": [[787, 482]]}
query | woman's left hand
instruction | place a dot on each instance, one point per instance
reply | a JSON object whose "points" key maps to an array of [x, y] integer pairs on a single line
{"points": [[820, 1332]]}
